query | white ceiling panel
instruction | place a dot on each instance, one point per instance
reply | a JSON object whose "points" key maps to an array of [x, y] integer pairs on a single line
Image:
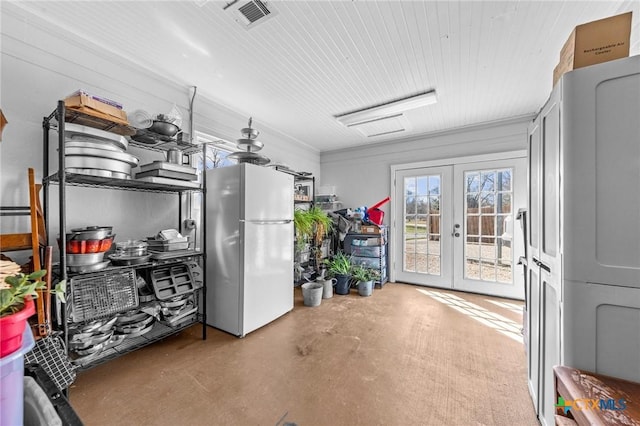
{"points": [[314, 60]]}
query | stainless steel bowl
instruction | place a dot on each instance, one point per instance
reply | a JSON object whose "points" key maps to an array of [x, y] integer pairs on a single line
{"points": [[84, 259], [250, 133], [90, 233], [164, 128], [132, 248], [89, 268]]}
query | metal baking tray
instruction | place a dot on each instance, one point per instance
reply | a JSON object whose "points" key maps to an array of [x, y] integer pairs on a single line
{"points": [[102, 153], [80, 162], [78, 131], [97, 172], [171, 281], [168, 174], [167, 181], [162, 255], [165, 165]]}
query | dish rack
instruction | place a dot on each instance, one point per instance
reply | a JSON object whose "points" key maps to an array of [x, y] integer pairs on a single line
{"points": [[100, 295]]}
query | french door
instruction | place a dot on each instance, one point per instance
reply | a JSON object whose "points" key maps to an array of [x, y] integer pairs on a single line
{"points": [[454, 226]]}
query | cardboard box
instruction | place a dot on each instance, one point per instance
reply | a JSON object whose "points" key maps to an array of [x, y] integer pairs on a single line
{"points": [[595, 42], [88, 104], [370, 229]]}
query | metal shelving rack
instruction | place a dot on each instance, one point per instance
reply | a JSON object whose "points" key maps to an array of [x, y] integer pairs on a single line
{"points": [[303, 177], [368, 254], [64, 179]]}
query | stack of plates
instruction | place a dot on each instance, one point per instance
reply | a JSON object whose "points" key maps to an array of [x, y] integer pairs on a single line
{"points": [[97, 152]]}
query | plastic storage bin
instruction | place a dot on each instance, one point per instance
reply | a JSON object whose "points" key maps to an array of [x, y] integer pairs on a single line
{"points": [[37, 411], [12, 382], [369, 262], [368, 251]]}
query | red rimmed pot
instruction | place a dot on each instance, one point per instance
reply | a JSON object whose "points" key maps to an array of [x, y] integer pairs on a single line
{"points": [[12, 327]]}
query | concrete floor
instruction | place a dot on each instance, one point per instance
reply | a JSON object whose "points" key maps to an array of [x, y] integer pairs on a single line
{"points": [[406, 355]]}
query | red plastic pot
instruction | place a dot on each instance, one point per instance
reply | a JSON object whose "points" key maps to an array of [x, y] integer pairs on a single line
{"points": [[12, 326]]}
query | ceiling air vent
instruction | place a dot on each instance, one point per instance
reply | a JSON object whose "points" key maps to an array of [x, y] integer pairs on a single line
{"points": [[382, 126], [250, 13]]}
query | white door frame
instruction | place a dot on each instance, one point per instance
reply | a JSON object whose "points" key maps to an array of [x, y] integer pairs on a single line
{"points": [[433, 163]]}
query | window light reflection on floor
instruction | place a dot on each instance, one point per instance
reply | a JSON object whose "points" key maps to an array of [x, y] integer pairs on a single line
{"points": [[501, 324], [513, 307]]}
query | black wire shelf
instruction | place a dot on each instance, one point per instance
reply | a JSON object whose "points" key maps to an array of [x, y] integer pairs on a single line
{"points": [[76, 179]]}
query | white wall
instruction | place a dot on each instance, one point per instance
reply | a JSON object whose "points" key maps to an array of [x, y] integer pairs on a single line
{"points": [[362, 175], [41, 64]]}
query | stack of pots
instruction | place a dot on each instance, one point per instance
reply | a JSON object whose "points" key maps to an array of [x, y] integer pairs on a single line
{"points": [[131, 252], [86, 248]]}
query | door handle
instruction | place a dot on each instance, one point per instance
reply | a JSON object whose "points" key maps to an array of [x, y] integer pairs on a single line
{"points": [[541, 264], [455, 232]]}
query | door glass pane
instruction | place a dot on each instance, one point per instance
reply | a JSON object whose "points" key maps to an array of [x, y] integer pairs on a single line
{"points": [[422, 206], [434, 265], [409, 254], [487, 246], [422, 265], [472, 182], [422, 185], [422, 224], [434, 185]]}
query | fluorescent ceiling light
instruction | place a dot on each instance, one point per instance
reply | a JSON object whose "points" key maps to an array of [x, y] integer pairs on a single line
{"points": [[395, 107]]}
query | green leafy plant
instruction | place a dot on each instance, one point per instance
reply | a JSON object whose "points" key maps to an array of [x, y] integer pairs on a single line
{"points": [[322, 223], [340, 264], [312, 223], [303, 223], [18, 287], [360, 273]]}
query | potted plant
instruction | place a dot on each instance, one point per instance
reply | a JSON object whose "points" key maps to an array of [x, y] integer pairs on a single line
{"points": [[364, 277], [339, 266], [311, 227], [16, 306], [303, 224]]}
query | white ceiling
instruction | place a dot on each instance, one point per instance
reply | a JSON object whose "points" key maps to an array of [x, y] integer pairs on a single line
{"points": [[313, 60]]}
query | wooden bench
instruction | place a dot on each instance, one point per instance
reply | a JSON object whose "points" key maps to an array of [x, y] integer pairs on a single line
{"points": [[594, 399]]}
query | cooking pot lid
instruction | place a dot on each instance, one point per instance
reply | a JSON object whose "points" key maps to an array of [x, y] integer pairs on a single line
{"points": [[93, 228]]}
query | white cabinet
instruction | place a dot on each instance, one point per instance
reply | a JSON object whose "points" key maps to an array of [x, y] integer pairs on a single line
{"points": [[584, 229]]}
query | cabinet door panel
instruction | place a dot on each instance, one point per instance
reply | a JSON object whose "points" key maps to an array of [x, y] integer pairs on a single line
{"points": [[600, 150], [534, 189], [551, 346], [550, 179], [533, 337]]}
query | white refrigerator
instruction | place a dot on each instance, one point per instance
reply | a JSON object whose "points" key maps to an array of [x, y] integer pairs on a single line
{"points": [[249, 247]]}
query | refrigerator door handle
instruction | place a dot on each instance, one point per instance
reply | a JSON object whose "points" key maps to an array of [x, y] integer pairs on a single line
{"points": [[267, 222]]}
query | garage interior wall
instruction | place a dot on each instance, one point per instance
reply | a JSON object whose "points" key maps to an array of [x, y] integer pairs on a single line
{"points": [[362, 176], [42, 63]]}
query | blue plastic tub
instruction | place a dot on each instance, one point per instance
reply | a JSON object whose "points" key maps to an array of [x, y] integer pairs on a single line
{"points": [[12, 382]]}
